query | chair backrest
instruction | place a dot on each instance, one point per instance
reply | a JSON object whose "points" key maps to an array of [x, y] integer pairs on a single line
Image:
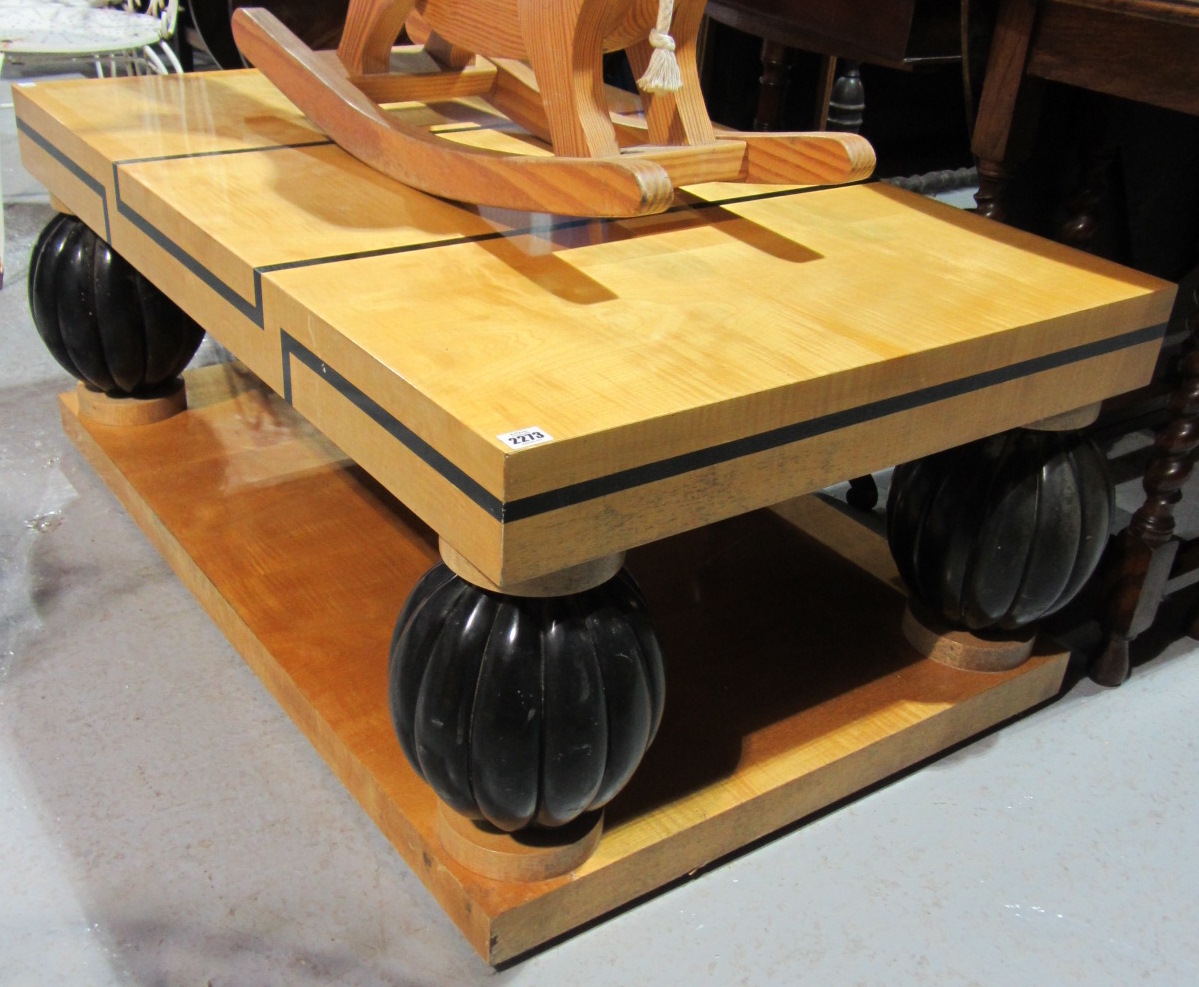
{"points": [[167, 11]]}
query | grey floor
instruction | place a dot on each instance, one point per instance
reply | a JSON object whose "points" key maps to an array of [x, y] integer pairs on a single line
{"points": [[163, 822]]}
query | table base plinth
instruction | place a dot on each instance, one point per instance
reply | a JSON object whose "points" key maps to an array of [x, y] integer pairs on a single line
{"points": [[932, 637], [126, 410], [789, 683], [532, 855]]}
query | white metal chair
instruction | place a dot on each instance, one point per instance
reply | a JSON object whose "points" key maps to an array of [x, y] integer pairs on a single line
{"points": [[130, 36]]}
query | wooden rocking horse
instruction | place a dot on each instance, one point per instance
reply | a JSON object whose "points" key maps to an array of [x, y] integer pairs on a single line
{"points": [[538, 62]]}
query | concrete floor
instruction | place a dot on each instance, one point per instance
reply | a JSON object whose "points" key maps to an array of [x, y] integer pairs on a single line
{"points": [[162, 822]]}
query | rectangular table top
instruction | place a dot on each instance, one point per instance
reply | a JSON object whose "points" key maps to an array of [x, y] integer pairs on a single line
{"points": [[659, 373]]}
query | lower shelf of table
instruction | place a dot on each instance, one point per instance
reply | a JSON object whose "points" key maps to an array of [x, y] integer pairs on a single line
{"points": [[789, 685]]}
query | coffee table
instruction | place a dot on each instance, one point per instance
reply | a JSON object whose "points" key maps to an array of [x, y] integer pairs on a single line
{"points": [[538, 396]]}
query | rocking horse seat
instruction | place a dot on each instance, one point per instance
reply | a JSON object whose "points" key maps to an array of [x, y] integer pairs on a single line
{"points": [[603, 163]]}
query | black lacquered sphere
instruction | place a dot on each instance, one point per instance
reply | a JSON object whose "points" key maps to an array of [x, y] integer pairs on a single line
{"points": [[100, 319], [525, 711], [1001, 532]]}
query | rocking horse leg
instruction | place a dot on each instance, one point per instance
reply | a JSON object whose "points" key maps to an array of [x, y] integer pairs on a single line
{"points": [[323, 90], [372, 27], [681, 117], [565, 41]]}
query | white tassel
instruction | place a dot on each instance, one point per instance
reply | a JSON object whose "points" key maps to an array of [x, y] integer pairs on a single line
{"points": [[662, 74]]}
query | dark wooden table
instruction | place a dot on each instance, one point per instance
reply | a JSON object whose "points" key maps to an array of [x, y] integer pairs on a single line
{"points": [[894, 33], [1143, 50]]}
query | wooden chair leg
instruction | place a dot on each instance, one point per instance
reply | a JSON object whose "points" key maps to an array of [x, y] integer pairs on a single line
{"points": [[997, 105], [1097, 153], [824, 91], [776, 60], [991, 197], [1145, 550], [862, 493]]}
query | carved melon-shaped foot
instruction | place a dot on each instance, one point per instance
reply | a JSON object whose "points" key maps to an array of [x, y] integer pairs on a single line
{"points": [[525, 712], [995, 535], [101, 320]]}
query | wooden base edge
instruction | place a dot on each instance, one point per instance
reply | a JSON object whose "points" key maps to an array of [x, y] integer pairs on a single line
{"points": [[937, 640], [127, 410], [534, 855]]}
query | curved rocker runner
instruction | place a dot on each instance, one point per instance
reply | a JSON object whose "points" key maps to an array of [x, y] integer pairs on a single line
{"points": [[603, 164]]}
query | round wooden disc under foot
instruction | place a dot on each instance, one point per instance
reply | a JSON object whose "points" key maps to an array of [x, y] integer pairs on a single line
{"points": [[934, 638], [103, 409], [530, 855]]}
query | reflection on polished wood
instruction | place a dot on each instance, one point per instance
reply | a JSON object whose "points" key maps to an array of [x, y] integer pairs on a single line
{"points": [[782, 697]]}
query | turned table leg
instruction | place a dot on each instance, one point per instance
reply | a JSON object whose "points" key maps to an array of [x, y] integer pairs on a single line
{"points": [[526, 710], [997, 106], [776, 59], [991, 197], [1144, 551], [847, 103], [995, 535]]}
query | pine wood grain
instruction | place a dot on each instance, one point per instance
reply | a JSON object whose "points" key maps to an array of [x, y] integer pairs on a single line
{"points": [[781, 700], [371, 28], [566, 59], [323, 90], [407, 83], [681, 117], [563, 42]]}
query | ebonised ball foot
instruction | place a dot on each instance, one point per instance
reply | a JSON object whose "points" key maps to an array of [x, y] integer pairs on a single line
{"points": [[999, 533], [100, 319], [519, 711]]}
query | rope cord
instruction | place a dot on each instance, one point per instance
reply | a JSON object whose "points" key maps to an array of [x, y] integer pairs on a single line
{"points": [[662, 74]]}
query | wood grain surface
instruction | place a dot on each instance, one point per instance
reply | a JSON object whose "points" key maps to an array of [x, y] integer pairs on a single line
{"points": [[782, 698], [731, 353]]}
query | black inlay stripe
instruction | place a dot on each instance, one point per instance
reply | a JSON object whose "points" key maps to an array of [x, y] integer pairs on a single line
{"points": [[637, 476], [577, 493], [782, 193], [94, 184], [406, 248], [561, 225], [225, 152], [252, 310], [573, 494], [388, 422]]}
